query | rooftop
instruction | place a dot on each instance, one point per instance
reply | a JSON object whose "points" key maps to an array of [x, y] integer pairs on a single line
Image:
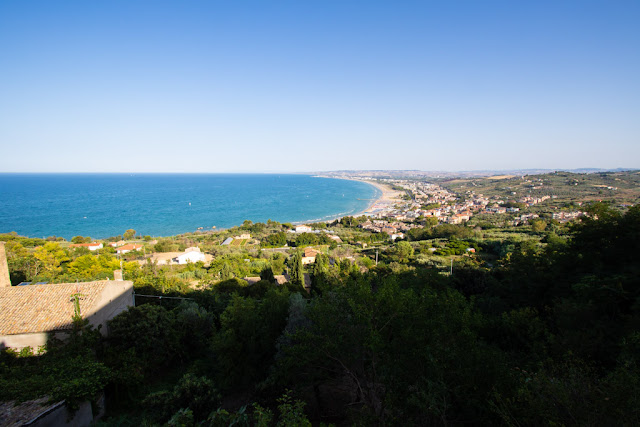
{"points": [[39, 308]]}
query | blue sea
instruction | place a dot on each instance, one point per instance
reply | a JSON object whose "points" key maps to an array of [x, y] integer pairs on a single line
{"points": [[104, 205]]}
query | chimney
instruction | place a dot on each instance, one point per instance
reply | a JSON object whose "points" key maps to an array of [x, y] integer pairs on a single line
{"points": [[5, 282]]}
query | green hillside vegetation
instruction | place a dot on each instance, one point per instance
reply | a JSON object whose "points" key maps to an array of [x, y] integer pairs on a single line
{"points": [[486, 323], [617, 187]]}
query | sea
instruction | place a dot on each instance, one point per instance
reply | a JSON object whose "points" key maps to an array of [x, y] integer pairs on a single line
{"points": [[105, 205]]}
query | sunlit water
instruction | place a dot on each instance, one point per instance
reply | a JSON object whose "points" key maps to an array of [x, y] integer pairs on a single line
{"points": [[103, 205]]}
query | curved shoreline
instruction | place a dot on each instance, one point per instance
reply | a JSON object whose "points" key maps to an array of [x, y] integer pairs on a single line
{"points": [[387, 198], [148, 214]]}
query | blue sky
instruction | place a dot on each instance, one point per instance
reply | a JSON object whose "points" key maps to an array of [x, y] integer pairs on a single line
{"points": [[240, 86]]}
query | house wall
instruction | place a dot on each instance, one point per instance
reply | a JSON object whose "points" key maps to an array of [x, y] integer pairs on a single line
{"points": [[33, 340], [4, 268], [116, 298], [190, 257], [21, 341]]}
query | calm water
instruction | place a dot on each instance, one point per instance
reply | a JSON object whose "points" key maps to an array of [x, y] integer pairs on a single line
{"points": [[103, 205]]}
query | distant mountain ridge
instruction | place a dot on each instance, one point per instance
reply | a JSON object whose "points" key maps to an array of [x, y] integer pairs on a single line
{"points": [[466, 174]]}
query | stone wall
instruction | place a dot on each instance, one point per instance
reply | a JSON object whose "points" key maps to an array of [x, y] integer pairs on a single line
{"points": [[4, 268]]}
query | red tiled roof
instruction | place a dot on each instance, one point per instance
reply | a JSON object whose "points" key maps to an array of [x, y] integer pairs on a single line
{"points": [[39, 308], [310, 252], [129, 247]]}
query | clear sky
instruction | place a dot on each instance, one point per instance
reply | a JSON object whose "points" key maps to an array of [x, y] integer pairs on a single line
{"points": [[241, 86]]}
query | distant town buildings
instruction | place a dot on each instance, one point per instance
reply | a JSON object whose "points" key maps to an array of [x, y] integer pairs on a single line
{"points": [[426, 200], [566, 216]]}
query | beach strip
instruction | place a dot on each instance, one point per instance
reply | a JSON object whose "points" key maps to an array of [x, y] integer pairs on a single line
{"points": [[387, 199]]}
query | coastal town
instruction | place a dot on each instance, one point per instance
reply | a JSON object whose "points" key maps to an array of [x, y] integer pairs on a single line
{"points": [[405, 208], [219, 289], [405, 204]]}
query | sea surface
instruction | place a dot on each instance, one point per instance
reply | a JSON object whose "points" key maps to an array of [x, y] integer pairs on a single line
{"points": [[104, 205]]}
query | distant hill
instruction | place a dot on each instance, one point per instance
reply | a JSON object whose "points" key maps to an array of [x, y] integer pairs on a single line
{"points": [[398, 174], [563, 186]]}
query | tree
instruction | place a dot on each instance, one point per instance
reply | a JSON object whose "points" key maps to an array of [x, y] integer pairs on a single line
{"points": [[295, 269], [292, 412], [267, 274], [20, 262], [403, 251], [244, 345], [538, 225], [49, 259], [129, 234], [226, 272], [372, 343], [275, 240], [321, 264], [431, 206], [430, 221], [195, 394], [80, 239], [141, 341], [277, 262], [306, 239]]}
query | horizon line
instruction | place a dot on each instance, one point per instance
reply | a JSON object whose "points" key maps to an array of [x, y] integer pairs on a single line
{"points": [[596, 169]]}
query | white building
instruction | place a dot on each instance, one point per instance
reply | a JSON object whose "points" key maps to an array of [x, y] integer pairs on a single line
{"points": [[91, 246], [191, 256], [303, 229]]}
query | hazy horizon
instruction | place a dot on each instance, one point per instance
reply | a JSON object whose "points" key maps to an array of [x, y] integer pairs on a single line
{"points": [[212, 87], [497, 171]]}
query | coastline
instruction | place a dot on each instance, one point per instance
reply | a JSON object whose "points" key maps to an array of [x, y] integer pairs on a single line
{"points": [[160, 214], [386, 200]]}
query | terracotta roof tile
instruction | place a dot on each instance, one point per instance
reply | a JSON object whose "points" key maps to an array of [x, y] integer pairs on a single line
{"points": [[130, 247], [38, 308]]}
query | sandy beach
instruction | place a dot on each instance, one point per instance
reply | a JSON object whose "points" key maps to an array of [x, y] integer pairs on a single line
{"points": [[386, 201], [388, 198]]}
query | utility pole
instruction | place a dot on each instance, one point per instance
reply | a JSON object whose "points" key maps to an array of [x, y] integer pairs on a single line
{"points": [[451, 269], [376, 257]]}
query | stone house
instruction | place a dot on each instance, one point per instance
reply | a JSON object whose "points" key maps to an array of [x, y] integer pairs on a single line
{"points": [[29, 314]]}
